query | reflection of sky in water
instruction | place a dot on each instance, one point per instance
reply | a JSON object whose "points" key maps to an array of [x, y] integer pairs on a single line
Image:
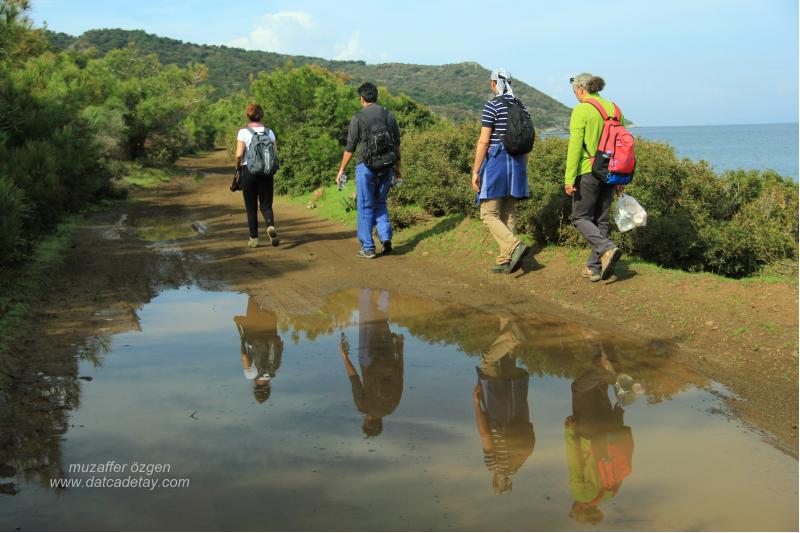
{"points": [[301, 461]]}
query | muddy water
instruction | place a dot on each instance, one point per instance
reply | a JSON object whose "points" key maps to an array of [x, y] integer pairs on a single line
{"points": [[378, 412]]}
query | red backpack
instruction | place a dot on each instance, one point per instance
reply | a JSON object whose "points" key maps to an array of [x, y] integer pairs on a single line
{"points": [[617, 465], [615, 161]]}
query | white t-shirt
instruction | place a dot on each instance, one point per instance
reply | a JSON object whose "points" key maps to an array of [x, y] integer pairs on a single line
{"points": [[245, 136]]}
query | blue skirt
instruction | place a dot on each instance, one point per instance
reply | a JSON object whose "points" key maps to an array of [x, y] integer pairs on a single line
{"points": [[503, 175]]}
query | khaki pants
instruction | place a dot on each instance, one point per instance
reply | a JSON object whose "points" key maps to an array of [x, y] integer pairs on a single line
{"points": [[498, 215], [496, 362]]}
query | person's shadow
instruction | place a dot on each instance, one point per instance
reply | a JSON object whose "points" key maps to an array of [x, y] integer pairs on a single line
{"points": [[529, 263], [622, 272]]}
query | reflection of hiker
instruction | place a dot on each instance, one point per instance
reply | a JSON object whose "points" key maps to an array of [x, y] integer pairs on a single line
{"points": [[261, 347], [591, 197], [375, 130], [501, 410], [257, 189], [499, 178], [380, 357], [599, 445]]}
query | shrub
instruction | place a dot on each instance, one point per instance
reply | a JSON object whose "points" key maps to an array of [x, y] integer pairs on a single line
{"points": [[437, 165], [11, 215], [732, 224]]}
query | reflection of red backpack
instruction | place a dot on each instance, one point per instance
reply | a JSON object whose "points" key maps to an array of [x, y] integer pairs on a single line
{"points": [[615, 160], [619, 463]]}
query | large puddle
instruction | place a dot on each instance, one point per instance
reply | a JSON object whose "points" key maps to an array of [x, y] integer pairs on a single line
{"points": [[378, 412]]}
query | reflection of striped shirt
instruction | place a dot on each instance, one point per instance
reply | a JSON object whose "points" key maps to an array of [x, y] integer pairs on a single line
{"points": [[499, 459], [495, 116], [511, 446]]}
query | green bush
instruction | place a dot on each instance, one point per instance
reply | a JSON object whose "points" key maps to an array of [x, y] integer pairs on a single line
{"points": [[546, 214], [732, 224], [11, 215], [307, 160], [698, 220], [437, 164]]}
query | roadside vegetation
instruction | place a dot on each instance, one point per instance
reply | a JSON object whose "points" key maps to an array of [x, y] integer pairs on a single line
{"points": [[120, 120], [456, 91]]}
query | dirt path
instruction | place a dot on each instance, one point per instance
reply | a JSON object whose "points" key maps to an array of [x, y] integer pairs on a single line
{"points": [[693, 319]]}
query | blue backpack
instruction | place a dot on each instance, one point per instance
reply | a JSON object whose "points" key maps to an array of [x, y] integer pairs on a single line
{"points": [[260, 155]]}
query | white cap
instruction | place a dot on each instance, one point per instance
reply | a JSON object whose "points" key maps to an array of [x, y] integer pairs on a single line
{"points": [[501, 73]]}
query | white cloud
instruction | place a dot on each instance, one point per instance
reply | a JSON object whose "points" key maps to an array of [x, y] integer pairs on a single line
{"points": [[281, 32], [352, 49], [298, 33]]}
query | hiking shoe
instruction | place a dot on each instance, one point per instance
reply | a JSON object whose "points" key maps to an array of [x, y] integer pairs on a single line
{"points": [[608, 260], [366, 254], [516, 256], [387, 247], [273, 236], [591, 276], [253, 242], [500, 269]]}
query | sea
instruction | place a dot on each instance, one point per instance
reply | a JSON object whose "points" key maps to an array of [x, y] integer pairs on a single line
{"points": [[730, 147]]}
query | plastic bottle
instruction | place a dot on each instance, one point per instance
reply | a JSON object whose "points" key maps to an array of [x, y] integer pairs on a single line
{"points": [[342, 181]]}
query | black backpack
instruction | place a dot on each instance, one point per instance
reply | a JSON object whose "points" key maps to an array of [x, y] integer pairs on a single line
{"points": [[379, 144], [518, 138]]}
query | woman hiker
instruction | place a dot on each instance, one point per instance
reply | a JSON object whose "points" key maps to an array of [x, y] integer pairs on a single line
{"points": [[257, 189], [591, 197]]}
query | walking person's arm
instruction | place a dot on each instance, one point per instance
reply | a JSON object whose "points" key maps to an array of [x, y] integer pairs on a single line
{"points": [[577, 129], [239, 153], [353, 135], [481, 150], [346, 157], [481, 420], [398, 171]]}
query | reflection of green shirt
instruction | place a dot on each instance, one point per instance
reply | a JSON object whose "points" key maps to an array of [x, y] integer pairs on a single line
{"points": [[584, 478], [585, 127]]}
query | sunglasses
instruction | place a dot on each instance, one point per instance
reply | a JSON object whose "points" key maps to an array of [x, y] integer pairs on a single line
{"points": [[571, 80]]}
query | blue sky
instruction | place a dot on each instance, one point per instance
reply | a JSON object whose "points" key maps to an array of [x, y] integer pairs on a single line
{"points": [[667, 63]]}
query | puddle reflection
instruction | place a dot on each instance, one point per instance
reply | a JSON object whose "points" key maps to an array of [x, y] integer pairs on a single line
{"points": [[377, 392], [261, 347], [599, 444], [500, 400], [446, 407]]}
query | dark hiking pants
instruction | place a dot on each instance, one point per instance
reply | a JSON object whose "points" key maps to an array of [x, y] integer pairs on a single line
{"points": [[591, 202], [257, 191]]}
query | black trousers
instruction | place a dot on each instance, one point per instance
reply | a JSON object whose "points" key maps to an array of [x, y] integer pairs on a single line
{"points": [[257, 191], [590, 205]]}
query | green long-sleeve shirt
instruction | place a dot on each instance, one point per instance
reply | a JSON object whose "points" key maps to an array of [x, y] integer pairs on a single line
{"points": [[585, 127]]}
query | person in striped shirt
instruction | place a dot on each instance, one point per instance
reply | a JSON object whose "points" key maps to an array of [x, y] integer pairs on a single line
{"points": [[499, 178]]}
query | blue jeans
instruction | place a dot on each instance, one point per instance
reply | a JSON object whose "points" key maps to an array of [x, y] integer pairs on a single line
{"points": [[371, 193]]}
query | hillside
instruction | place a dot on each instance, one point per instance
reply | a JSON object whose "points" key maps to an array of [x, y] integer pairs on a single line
{"points": [[460, 89]]}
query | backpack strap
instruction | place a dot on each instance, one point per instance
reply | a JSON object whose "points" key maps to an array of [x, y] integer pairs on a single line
{"points": [[599, 107], [617, 113], [251, 130], [386, 121]]}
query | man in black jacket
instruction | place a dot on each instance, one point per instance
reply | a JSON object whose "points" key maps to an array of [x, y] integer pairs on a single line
{"points": [[375, 130]]}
